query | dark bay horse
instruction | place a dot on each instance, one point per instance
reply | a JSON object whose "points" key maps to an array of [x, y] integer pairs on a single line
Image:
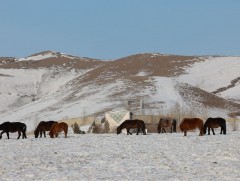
{"points": [[57, 128], [190, 124], [42, 127], [130, 124], [167, 123], [214, 123], [11, 127]]}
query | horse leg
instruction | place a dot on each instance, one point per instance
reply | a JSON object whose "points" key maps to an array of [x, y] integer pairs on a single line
{"points": [[221, 130], [1, 134], [164, 130], [40, 133], [213, 131], [138, 130], [144, 131], [19, 134], [7, 134], [185, 133], [128, 131], [24, 134], [158, 129], [201, 131], [208, 130]]}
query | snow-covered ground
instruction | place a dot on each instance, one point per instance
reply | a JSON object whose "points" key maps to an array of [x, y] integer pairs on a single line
{"points": [[122, 157]]}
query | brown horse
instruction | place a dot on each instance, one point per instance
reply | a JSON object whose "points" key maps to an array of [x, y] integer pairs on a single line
{"points": [[167, 123], [11, 127], [130, 124], [190, 124], [214, 123], [57, 128], [42, 127]]}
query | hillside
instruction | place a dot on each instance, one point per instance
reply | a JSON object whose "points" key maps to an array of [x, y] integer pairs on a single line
{"points": [[52, 85]]}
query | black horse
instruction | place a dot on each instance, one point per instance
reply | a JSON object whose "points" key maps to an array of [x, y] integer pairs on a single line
{"points": [[42, 127], [130, 124], [214, 123], [13, 127]]}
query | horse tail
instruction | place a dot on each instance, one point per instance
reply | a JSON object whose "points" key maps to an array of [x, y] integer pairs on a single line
{"points": [[174, 124], [24, 130], [143, 127], [180, 126], [158, 128], [224, 126], [205, 125]]}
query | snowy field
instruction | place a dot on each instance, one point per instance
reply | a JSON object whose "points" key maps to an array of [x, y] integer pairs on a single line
{"points": [[122, 157]]}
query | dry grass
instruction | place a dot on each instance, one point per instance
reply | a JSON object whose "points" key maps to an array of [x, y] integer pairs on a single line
{"points": [[234, 123]]}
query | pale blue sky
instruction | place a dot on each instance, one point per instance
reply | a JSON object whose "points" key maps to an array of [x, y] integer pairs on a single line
{"points": [[111, 29]]}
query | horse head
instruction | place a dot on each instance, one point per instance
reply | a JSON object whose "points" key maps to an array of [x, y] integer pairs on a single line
{"points": [[51, 134], [36, 133], [119, 130]]}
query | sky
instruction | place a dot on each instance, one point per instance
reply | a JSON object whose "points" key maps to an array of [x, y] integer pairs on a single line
{"points": [[107, 29]]}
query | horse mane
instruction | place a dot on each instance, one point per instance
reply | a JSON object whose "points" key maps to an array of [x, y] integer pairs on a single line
{"points": [[37, 128]]}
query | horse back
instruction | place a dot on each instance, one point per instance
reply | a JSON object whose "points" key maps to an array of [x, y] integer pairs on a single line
{"points": [[13, 126], [133, 123], [57, 127], [215, 122], [63, 125], [191, 123]]}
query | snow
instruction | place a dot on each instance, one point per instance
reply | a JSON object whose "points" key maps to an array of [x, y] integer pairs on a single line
{"points": [[122, 157], [142, 73], [39, 57], [165, 91], [214, 73]]}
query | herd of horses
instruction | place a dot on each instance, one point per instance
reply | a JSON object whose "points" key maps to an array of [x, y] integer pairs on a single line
{"points": [[55, 128], [186, 124]]}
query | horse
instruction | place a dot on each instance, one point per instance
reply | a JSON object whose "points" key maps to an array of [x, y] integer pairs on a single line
{"points": [[130, 124], [214, 123], [13, 127], [57, 128], [42, 127], [190, 124], [165, 123]]}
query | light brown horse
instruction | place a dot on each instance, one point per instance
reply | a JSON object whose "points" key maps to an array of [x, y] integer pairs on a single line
{"points": [[42, 127], [130, 124], [190, 124], [57, 128], [167, 123]]}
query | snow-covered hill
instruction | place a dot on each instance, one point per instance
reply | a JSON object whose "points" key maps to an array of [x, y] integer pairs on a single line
{"points": [[54, 86]]}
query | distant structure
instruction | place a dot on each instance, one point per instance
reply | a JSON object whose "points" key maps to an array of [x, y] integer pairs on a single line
{"points": [[115, 118]]}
